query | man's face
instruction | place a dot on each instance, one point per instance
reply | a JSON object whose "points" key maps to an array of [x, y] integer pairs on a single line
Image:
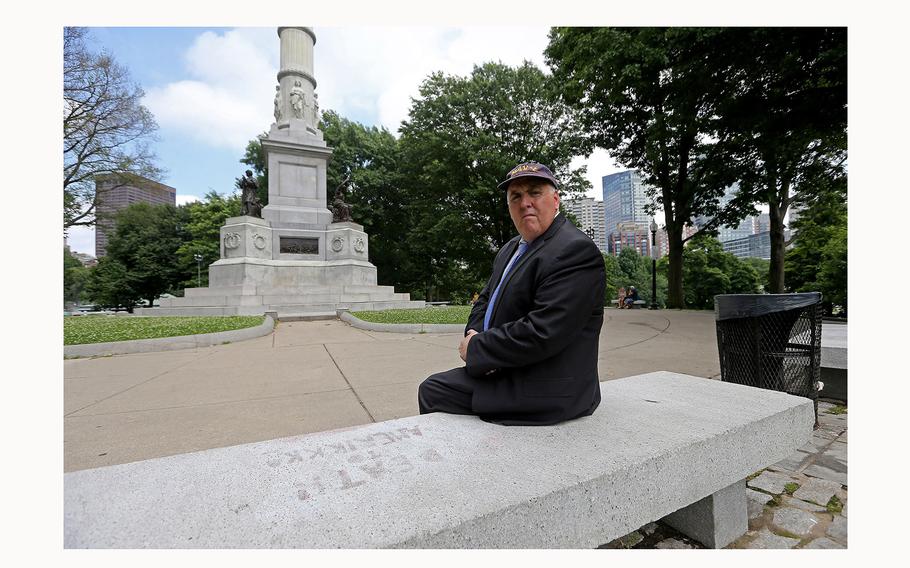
{"points": [[532, 205]]}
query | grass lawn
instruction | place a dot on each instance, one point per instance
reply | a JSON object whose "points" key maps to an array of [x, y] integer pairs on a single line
{"points": [[440, 314], [101, 329]]}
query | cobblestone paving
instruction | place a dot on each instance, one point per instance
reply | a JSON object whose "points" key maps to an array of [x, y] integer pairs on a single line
{"points": [[799, 502]]}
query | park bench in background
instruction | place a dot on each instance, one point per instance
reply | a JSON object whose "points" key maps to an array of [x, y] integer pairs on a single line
{"points": [[635, 305], [661, 446]]}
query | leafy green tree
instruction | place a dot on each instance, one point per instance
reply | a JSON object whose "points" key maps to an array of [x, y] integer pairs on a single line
{"points": [[708, 270], [75, 277], [368, 160], [461, 136], [762, 266], [145, 244], [110, 285], [201, 234], [817, 262], [785, 118], [635, 270], [106, 131], [833, 271], [615, 278], [650, 97]]}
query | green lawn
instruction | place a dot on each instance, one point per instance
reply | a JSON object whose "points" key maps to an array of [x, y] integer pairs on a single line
{"points": [[101, 329], [440, 314]]}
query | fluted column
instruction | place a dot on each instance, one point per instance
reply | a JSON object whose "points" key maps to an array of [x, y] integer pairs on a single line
{"points": [[296, 106]]}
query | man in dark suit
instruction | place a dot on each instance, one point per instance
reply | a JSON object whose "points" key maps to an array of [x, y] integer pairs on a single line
{"points": [[530, 346]]}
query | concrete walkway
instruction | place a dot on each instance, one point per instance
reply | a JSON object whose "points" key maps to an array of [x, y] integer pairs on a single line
{"points": [[310, 377]]}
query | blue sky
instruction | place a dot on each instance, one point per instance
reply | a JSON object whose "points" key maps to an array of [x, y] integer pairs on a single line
{"points": [[211, 89]]}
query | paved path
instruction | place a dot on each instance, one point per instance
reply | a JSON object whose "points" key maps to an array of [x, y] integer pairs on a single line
{"points": [[311, 377]]}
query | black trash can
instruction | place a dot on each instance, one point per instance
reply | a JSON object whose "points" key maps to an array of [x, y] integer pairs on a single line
{"points": [[771, 341]]}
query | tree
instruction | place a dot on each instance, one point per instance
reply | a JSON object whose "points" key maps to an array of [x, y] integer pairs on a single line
{"points": [[110, 285], [461, 136], [145, 244], [201, 234], [369, 158], [635, 270], [708, 271], [785, 118], [75, 276], [817, 262], [650, 97], [106, 131]]}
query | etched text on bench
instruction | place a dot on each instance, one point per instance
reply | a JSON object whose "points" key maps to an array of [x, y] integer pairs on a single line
{"points": [[356, 461]]}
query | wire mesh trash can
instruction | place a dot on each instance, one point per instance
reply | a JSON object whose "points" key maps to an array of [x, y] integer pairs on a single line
{"points": [[771, 341]]}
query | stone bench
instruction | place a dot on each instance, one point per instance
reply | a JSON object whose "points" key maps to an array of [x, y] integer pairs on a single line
{"points": [[661, 446]]}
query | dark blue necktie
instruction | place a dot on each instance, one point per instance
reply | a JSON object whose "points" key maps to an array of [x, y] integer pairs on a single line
{"points": [[522, 247]]}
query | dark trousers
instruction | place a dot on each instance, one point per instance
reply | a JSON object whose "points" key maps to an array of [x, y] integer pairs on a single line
{"points": [[450, 391]]}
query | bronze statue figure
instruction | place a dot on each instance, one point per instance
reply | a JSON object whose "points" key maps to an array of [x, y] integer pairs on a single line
{"points": [[341, 211], [249, 198]]}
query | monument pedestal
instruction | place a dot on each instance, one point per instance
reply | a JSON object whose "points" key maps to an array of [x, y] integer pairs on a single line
{"points": [[292, 269]]}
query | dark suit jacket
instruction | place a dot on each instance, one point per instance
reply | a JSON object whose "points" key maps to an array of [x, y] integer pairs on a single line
{"points": [[543, 337]]}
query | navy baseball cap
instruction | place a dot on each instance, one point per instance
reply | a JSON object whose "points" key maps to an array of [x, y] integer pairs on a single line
{"points": [[529, 169]]}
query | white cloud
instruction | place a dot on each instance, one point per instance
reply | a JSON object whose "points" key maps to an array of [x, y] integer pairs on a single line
{"points": [[379, 69], [184, 199], [227, 99], [365, 71], [599, 165]]}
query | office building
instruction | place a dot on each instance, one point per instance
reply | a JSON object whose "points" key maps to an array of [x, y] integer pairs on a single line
{"points": [[590, 214], [115, 193], [631, 235], [753, 246], [625, 197]]}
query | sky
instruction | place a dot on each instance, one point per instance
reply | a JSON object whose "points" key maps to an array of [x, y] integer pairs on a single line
{"points": [[211, 89]]}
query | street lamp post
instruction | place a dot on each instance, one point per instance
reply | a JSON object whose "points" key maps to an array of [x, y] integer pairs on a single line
{"points": [[198, 258], [653, 264]]}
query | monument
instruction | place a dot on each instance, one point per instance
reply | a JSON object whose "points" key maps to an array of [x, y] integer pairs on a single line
{"points": [[295, 259]]}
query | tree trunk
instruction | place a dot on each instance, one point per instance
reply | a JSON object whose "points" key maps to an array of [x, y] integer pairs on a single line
{"points": [[776, 270], [675, 297]]}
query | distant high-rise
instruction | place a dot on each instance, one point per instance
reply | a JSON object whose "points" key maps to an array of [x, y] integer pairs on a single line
{"points": [[631, 235], [725, 233], [624, 202], [761, 223], [115, 193], [590, 213]]}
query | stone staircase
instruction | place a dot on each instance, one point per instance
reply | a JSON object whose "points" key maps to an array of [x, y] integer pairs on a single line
{"points": [[310, 302]]}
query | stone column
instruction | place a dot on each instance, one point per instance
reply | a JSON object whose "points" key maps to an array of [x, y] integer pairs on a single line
{"points": [[295, 150], [297, 84]]}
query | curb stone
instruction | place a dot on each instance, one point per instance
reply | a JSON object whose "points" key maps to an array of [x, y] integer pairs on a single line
{"points": [[170, 343], [354, 321]]}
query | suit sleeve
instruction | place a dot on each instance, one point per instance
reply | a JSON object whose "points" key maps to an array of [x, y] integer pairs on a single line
{"points": [[564, 301]]}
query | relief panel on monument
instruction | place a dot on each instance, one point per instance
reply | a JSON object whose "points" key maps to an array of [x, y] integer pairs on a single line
{"points": [[299, 245], [297, 180]]}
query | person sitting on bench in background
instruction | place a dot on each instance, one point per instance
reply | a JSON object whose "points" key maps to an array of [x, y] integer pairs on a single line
{"points": [[632, 297]]}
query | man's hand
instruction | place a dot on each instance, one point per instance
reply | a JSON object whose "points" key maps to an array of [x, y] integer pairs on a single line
{"points": [[463, 348]]}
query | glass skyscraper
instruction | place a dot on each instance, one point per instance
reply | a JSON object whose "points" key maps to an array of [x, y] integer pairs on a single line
{"points": [[624, 202]]}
